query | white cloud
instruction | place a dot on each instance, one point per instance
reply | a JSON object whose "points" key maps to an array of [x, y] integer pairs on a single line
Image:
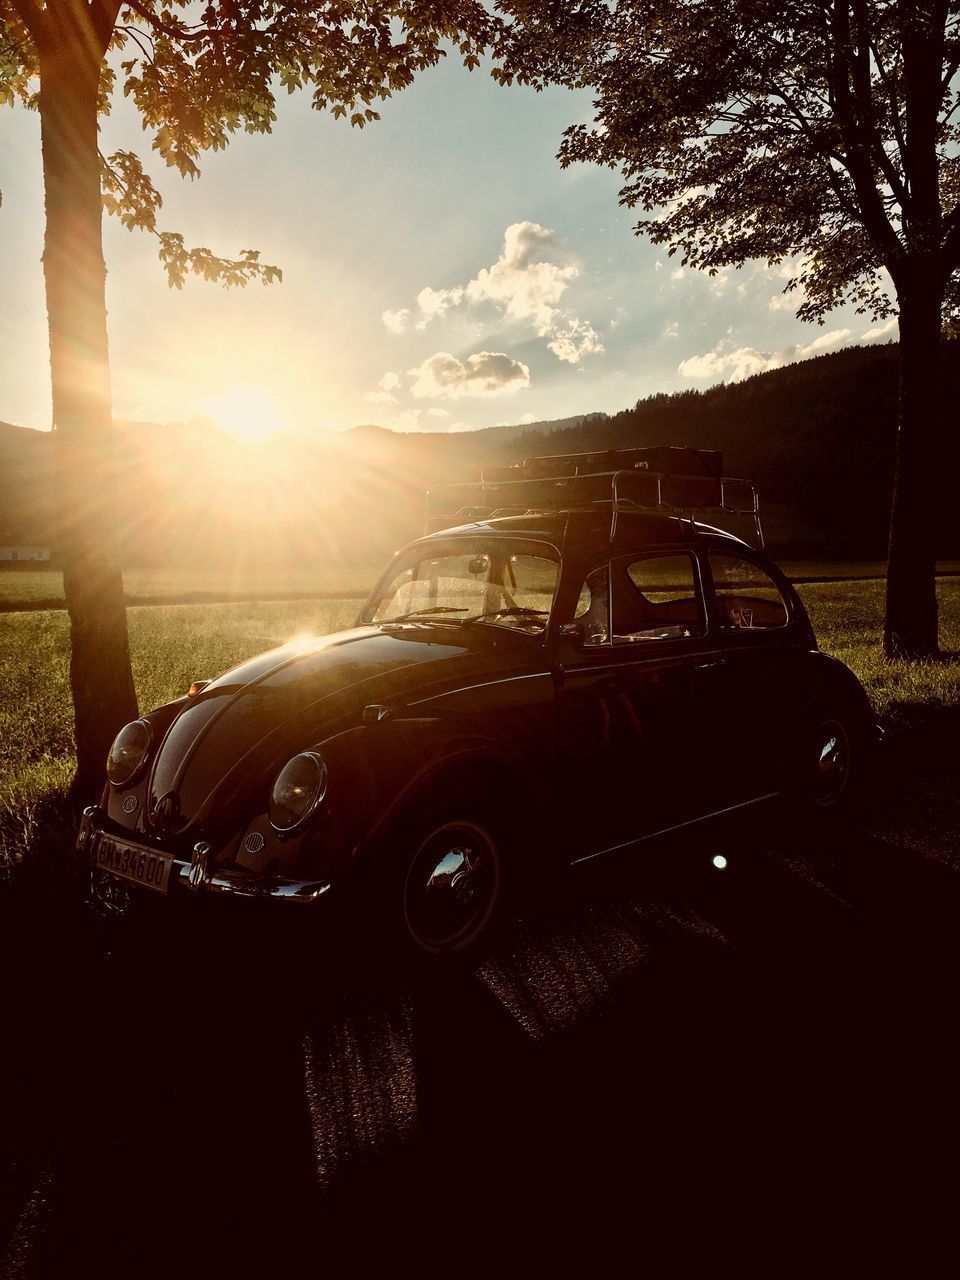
{"points": [[381, 397], [743, 362], [397, 321], [672, 330], [486, 373], [409, 420], [434, 303], [438, 413], [677, 273], [826, 342], [529, 278], [390, 381], [888, 332], [525, 285], [573, 340]]}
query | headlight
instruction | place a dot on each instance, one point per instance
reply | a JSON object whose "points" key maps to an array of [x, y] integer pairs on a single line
{"points": [[298, 791], [128, 753]]}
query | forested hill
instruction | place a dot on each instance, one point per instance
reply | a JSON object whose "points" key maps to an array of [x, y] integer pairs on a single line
{"points": [[817, 437]]}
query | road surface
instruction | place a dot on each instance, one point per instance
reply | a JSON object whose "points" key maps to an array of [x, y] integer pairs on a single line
{"points": [[756, 1063]]}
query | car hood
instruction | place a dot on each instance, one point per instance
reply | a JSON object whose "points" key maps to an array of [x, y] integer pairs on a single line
{"points": [[222, 751]]}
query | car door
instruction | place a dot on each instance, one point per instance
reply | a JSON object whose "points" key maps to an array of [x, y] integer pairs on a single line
{"points": [[636, 662], [764, 675]]}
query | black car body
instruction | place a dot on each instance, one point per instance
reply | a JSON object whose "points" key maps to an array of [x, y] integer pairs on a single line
{"points": [[568, 683]]}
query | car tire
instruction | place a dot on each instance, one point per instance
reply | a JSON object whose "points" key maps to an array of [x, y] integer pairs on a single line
{"points": [[833, 765], [453, 890], [445, 888]]}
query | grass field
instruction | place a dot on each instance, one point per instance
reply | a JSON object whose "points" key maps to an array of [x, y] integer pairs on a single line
{"points": [[43, 588], [174, 644]]}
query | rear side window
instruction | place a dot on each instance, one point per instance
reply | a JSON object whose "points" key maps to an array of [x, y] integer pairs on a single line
{"points": [[748, 599], [657, 598]]}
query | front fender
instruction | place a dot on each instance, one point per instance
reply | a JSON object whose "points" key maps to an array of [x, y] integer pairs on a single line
{"points": [[375, 772]]}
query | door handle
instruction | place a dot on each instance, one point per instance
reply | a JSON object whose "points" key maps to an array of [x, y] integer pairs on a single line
{"points": [[709, 666]]}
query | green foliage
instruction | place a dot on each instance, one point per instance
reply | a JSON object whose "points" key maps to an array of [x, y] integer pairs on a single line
{"points": [[197, 77], [824, 134]]}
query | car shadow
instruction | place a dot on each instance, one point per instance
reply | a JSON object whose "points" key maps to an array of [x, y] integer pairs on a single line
{"points": [[657, 1046]]}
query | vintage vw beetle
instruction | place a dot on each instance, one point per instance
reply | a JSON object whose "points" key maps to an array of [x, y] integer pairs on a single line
{"points": [[578, 665]]}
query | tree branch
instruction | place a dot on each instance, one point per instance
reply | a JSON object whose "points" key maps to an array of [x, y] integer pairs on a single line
{"points": [[32, 17], [177, 33], [864, 103], [951, 242], [953, 66], [856, 155], [138, 38], [103, 18], [894, 108]]}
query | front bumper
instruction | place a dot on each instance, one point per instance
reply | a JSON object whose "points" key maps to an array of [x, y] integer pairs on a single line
{"points": [[199, 875]]}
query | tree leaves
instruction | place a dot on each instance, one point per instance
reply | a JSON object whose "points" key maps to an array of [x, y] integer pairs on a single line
{"points": [[179, 262], [198, 76], [766, 129]]}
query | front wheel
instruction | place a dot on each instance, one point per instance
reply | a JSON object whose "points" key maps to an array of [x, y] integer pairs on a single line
{"points": [[452, 887]]}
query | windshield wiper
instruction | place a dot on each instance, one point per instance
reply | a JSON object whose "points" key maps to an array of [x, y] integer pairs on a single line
{"points": [[423, 613], [515, 611]]}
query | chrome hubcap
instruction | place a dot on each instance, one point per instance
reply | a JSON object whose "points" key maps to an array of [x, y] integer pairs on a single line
{"points": [[456, 873], [451, 886], [833, 763]]}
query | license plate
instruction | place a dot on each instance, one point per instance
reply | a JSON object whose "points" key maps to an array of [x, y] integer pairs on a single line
{"points": [[145, 867]]}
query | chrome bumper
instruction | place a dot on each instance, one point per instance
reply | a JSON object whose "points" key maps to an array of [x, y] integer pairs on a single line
{"points": [[198, 875]]}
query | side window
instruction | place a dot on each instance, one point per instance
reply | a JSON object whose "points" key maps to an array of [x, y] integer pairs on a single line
{"points": [[658, 598], [748, 599], [593, 607]]}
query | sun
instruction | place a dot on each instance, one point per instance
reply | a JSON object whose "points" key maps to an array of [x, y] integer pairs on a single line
{"points": [[247, 412]]}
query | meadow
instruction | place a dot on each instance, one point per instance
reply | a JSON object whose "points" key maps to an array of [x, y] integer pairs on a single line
{"points": [[173, 644], [43, 588]]}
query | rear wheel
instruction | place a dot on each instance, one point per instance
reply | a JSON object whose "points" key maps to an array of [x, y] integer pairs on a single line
{"points": [[833, 764]]}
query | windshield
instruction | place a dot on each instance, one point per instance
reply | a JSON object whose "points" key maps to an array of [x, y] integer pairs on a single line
{"points": [[483, 581]]}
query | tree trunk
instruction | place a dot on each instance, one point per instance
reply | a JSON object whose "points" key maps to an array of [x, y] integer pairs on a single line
{"points": [[910, 629], [100, 675]]}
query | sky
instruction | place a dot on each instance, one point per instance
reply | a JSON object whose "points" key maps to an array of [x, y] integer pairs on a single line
{"points": [[440, 272]]}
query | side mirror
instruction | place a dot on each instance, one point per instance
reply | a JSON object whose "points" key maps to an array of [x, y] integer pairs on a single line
{"points": [[572, 631]]}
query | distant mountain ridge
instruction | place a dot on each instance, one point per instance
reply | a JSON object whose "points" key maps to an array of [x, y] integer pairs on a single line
{"points": [[817, 437]]}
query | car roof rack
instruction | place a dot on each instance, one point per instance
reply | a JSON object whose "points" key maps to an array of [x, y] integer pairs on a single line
{"points": [[665, 480]]}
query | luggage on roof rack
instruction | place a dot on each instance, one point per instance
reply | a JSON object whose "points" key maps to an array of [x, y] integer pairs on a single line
{"points": [[666, 479], [665, 459]]}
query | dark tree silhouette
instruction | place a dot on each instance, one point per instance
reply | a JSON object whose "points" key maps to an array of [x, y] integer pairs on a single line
{"points": [[822, 132], [196, 74]]}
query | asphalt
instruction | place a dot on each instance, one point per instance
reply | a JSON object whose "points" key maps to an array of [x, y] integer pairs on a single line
{"points": [[749, 1069]]}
